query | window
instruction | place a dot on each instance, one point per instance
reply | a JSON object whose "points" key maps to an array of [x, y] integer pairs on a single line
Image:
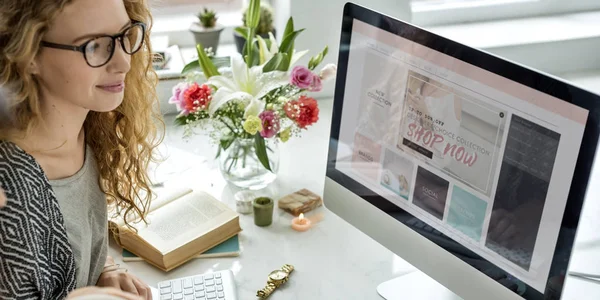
{"points": [[439, 12], [178, 7]]}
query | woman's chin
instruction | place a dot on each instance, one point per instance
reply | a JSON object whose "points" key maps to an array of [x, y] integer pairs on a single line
{"points": [[106, 104]]}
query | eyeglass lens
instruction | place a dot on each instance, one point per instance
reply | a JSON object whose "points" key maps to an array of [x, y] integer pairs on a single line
{"points": [[100, 50]]}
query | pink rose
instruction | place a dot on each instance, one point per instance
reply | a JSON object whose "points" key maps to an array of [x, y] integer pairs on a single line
{"points": [[178, 99], [316, 85], [302, 77], [270, 124]]}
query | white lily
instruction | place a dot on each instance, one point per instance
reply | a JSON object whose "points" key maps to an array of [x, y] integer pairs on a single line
{"points": [[247, 85], [267, 53]]}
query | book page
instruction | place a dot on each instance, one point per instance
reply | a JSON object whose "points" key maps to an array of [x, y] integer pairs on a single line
{"points": [[161, 197], [184, 220]]}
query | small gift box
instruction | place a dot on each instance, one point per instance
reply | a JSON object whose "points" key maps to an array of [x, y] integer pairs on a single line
{"points": [[301, 201]]}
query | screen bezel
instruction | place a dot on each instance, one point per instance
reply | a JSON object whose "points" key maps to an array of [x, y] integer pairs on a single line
{"points": [[502, 67]]}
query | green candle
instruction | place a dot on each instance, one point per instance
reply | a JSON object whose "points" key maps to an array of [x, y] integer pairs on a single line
{"points": [[263, 211]]}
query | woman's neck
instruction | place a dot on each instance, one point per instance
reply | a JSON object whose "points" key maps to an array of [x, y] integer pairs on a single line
{"points": [[60, 130]]}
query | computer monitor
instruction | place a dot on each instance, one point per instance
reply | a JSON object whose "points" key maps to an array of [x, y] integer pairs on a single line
{"points": [[470, 167]]}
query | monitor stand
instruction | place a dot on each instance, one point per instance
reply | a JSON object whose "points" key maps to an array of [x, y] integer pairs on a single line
{"points": [[415, 285]]}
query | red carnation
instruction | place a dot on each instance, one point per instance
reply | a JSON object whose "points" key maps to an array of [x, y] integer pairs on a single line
{"points": [[197, 97], [305, 111]]}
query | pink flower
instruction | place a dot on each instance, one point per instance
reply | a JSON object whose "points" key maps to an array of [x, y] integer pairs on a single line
{"points": [[302, 77], [177, 98], [270, 123], [316, 85]]}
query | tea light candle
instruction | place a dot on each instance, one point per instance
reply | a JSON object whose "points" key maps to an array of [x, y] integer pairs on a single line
{"points": [[301, 223]]}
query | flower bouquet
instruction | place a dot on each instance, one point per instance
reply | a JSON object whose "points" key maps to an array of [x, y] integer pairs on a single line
{"points": [[257, 101]]}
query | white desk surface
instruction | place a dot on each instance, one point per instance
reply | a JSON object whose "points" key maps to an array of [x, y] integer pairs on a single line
{"points": [[333, 260]]}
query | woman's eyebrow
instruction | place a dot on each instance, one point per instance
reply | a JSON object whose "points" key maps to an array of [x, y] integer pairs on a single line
{"points": [[93, 35]]}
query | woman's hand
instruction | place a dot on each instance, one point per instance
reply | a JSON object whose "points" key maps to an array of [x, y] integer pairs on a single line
{"points": [[97, 293], [125, 282], [2, 198]]}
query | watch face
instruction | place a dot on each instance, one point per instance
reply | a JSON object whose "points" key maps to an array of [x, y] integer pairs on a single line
{"points": [[277, 275]]}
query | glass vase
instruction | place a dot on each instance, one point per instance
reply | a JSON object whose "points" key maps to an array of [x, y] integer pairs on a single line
{"points": [[241, 167]]}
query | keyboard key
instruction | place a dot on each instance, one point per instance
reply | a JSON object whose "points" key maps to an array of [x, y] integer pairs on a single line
{"points": [[166, 297], [199, 288], [189, 297], [164, 291], [164, 284], [187, 283], [219, 288], [189, 291], [218, 275], [219, 281], [210, 289], [198, 280], [211, 296], [209, 276], [199, 294], [177, 287], [200, 298], [220, 295], [177, 296], [209, 282]]}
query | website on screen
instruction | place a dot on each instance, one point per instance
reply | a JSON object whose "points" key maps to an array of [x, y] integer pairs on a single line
{"points": [[482, 159]]}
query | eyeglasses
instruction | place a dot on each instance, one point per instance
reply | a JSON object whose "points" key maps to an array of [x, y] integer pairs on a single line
{"points": [[99, 50]]}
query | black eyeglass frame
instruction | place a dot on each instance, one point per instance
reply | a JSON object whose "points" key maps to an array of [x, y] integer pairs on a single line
{"points": [[81, 48]]}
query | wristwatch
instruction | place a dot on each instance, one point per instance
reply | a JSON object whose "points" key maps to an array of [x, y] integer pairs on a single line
{"points": [[276, 279]]}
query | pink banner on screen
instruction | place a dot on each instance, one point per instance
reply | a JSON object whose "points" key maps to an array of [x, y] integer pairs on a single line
{"points": [[492, 80]]}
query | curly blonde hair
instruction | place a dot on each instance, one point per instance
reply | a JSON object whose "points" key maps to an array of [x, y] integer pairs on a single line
{"points": [[122, 140]]}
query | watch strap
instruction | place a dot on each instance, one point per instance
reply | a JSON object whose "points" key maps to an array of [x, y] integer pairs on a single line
{"points": [[266, 291]]}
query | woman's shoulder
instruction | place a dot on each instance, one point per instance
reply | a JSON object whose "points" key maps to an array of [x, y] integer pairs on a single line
{"points": [[20, 166]]}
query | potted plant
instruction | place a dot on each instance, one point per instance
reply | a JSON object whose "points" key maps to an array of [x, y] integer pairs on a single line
{"points": [[265, 26], [207, 32]]}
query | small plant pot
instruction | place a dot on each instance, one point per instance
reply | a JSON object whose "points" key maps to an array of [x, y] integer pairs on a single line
{"points": [[208, 37], [240, 41]]}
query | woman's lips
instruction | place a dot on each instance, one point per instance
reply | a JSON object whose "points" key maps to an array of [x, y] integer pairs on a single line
{"points": [[113, 88]]}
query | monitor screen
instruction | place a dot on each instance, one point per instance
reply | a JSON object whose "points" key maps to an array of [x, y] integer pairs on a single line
{"points": [[480, 164]]}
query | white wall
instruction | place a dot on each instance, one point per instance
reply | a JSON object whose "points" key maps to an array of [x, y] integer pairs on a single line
{"points": [[323, 23]]}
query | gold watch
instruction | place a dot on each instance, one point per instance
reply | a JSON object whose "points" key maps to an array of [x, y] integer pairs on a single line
{"points": [[276, 279]]}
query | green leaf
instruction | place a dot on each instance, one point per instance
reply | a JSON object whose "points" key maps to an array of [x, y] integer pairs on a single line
{"points": [[261, 151], [191, 66], [218, 152], [248, 48], [243, 31], [254, 59], [221, 61], [287, 44], [289, 27], [279, 62], [181, 121], [253, 14], [226, 142], [207, 65]]}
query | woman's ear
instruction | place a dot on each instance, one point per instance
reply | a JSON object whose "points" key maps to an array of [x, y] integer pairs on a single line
{"points": [[33, 68]]}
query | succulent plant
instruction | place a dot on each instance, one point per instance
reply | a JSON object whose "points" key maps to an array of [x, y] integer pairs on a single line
{"points": [[265, 25], [208, 18]]}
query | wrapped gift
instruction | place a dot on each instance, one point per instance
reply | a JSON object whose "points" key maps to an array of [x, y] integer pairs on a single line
{"points": [[301, 201]]}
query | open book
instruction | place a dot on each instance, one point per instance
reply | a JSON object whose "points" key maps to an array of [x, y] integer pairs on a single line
{"points": [[182, 223], [228, 248]]}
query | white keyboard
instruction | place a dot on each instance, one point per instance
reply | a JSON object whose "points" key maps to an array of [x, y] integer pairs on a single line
{"points": [[219, 285]]}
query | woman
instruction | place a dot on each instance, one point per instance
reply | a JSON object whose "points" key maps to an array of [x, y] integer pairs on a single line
{"points": [[81, 97]]}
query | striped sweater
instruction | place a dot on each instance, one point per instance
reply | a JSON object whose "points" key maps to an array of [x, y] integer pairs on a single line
{"points": [[36, 259]]}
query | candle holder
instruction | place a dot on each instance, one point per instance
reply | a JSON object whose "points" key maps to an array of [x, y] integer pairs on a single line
{"points": [[263, 211], [244, 201]]}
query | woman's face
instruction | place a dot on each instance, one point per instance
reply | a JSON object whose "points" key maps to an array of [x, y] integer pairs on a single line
{"points": [[65, 75]]}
